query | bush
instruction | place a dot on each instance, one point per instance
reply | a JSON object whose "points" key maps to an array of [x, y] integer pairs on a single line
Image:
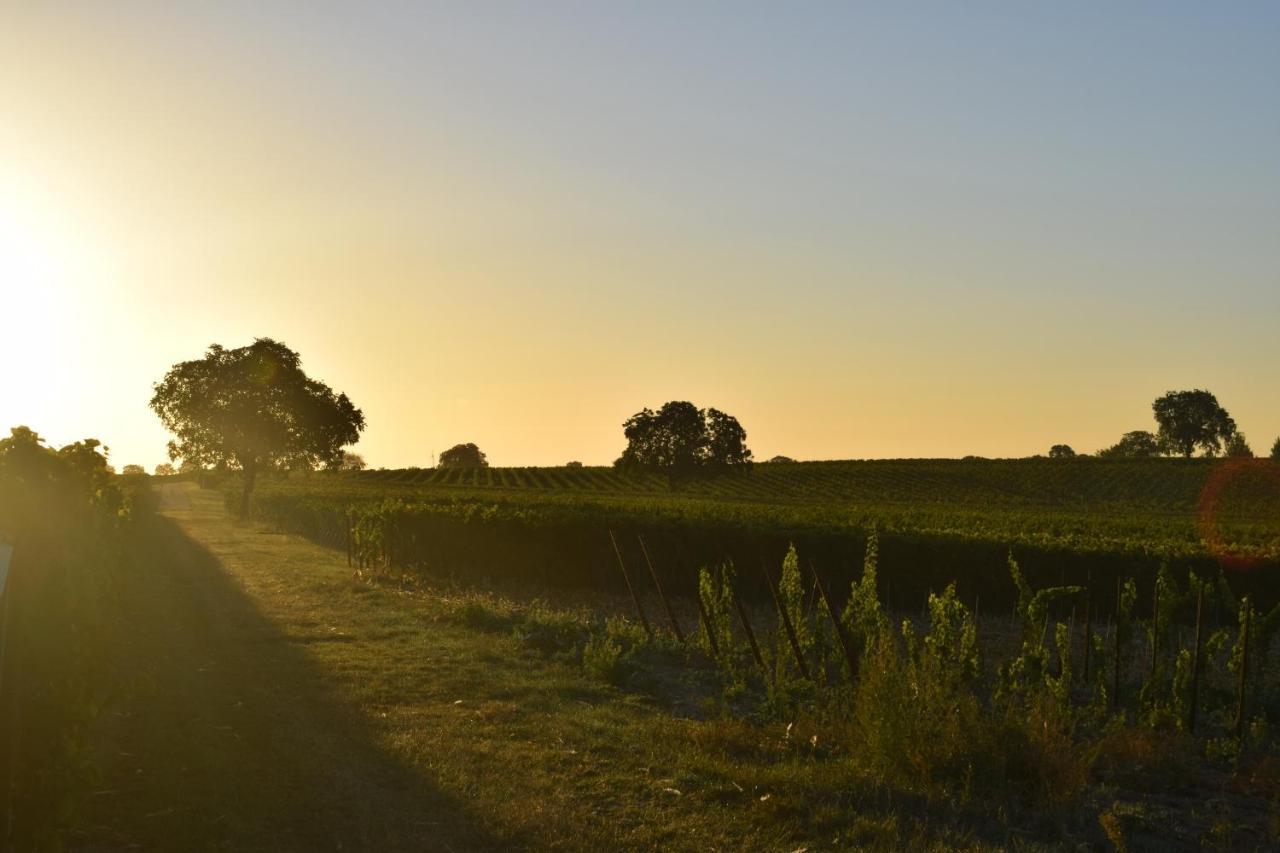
{"points": [[604, 658]]}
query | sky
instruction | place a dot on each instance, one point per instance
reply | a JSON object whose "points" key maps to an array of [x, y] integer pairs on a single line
{"points": [[866, 230]]}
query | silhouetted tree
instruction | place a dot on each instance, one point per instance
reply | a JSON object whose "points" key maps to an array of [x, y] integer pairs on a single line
{"points": [[680, 439], [574, 464], [1238, 447], [1061, 451], [253, 408], [463, 456], [1138, 444], [726, 440], [1190, 420], [134, 471], [351, 462], [780, 460], [164, 469], [1275, 449]]}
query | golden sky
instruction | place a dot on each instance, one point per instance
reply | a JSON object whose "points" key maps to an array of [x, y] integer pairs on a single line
{"points": [[863, 233]]}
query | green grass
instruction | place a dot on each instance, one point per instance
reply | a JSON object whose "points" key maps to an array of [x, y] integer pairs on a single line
{"points": [[279, 704]]}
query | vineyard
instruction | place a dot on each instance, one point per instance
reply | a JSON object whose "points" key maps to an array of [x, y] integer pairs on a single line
{"points": [[938, 520], [1123, 651]]}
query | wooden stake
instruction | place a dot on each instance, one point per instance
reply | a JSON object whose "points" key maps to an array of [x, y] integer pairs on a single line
{"points": [[845, 646], [707, 627], [671, 615], [626, 575], [786, 623], [1155, 630], [1195, 664], [1088, 629], [1115, 669], [751, 635], [1244, 667]]}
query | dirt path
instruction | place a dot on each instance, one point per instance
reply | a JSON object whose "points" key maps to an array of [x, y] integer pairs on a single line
{"points": [[231, 735]]}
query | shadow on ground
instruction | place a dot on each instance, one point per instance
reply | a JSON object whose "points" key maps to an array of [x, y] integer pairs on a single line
{"points": [[225, 735]]}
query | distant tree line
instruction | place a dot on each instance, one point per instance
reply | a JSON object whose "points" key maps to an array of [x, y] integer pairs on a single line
{"points": [[253, 409], [1186, 422]]}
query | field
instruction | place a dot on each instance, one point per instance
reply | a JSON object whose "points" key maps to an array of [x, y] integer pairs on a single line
{"points": [[281, 703], [938, 520]]}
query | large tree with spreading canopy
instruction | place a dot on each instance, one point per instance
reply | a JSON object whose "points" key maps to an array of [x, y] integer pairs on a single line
{"points": [[680, 439], [253, 408], [1192, 419]]}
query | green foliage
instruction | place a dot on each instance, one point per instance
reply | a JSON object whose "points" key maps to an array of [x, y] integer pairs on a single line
{"points": [[1191, 420], [791, 594], [69, 522], [715, 586], [1138, 444], [680, 439], [1028, 673], [603, 658], [253, 408], [549, 631], [1237, 447], [951, 647], [1114, 507], [919, 722], [463, 456], [863, 619]]}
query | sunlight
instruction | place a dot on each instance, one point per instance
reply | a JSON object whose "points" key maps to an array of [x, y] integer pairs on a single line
{"points": [[39, 328]]}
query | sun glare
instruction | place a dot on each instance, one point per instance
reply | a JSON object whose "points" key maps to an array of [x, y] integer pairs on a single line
{"points": [[39, 326]]}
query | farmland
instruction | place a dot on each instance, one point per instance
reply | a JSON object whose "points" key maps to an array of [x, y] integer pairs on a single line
{"points": [[939, 520]]}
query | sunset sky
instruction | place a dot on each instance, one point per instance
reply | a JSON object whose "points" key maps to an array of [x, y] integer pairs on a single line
{"points": [[909, 230]]}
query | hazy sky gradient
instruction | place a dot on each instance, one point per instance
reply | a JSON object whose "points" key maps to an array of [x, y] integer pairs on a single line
{"points": [[925, 231]]}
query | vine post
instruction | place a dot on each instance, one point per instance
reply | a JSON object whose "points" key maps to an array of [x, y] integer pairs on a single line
{"points": [[1195, 662], [1247, 606], [786, 624], [671, 614], [626, 575]]}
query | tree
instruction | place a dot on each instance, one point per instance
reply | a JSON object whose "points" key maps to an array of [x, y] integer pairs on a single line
{"points": [[680, 438], [1138, 444], [1275, 449], [1190, 420], [463, 456], [1238, 447], [164, 469], [780, 460], [574, 464], [726, 440], [253, 408], [1061, 451], [351, 462], [134, 471]]}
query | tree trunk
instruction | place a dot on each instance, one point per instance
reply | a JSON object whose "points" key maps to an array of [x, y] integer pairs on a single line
{"points": [[249, 475]]}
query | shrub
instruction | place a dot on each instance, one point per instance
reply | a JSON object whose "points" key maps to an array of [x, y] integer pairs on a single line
{"points": [[604, 658]]}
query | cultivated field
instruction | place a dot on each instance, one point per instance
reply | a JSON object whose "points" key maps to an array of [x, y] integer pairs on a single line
{"points": [[939, 521]]}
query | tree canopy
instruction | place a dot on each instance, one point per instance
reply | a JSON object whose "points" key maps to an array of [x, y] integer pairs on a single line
{"points": [[1061, 451], [1138, 444], [1238, 446], [351, 462], [463, 456], [1191, 420], [40, 486], [680, 439], [253, 408], [1275, 449]]}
